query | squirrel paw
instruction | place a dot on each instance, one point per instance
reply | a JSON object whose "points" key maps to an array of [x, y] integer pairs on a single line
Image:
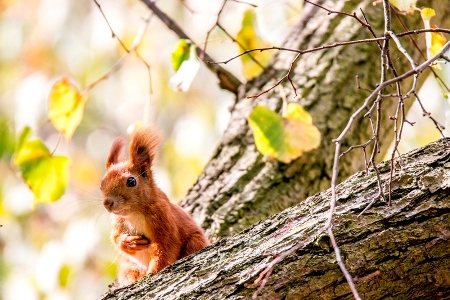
{"points": [[132, 243]]}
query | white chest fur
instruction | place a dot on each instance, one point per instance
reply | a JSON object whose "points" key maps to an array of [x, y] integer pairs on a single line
{"points": [[137, 225]]}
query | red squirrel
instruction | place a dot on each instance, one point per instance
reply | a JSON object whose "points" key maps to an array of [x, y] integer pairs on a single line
{"points": [[148, 230]]}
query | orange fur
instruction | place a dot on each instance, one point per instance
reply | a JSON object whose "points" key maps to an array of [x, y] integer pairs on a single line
{"points": [[148, 231]]}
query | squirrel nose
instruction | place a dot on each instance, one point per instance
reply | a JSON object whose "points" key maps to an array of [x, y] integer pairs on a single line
{"points": [[108, 203]]}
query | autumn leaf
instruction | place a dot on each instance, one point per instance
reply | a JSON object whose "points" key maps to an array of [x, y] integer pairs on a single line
{"points": [[406, 6], [46, 175], [284, 137], [437, 41], [66, 107], [180, 53], [434, 40], [248, 39]]}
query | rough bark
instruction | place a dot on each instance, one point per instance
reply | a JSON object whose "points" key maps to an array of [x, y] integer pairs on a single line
{"points": [[400, 251], [239, 186]]}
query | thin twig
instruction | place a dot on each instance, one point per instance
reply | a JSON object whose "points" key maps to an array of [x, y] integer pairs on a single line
{"points": [[353, 117], [401, 48], [243, 47], [202, 57], [367, 277], [417, 70], [353, 15], [287, 75], [438, 125], [301, 52], [226, 79], [364, 145], [337, 44], [124, 58], [413, 41], [358, 85]]}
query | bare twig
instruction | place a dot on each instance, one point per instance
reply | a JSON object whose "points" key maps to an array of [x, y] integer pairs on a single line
{"points": [[202, 57], [301, 52], [358, 84], [363, 146], [339, 44], [243, 47], [353, 15], [338, 140], [280, 80], [420, 50], [438, 125], [367, 277], [226, 79], [401, 48], [353, 117], [124, 58]]}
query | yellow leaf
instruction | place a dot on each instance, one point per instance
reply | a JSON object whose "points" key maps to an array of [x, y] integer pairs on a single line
{"points": [[284, 138], [434, 40], [406, 6], [248, 39], [66, 107], [302, 135], [437, 41], [427, 13]]}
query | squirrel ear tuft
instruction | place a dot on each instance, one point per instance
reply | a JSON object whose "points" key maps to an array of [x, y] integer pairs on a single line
{"points": [[115, 152], [143, 149]]}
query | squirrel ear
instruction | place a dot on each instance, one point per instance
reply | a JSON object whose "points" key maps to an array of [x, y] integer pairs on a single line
{"points": [[143, 149], [115, 152]]}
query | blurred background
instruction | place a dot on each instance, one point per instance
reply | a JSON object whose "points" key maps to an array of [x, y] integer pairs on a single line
{"points": [[62, 250]]}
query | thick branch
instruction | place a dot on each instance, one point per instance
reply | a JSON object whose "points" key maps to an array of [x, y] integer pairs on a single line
{"points": [[400, 251]]}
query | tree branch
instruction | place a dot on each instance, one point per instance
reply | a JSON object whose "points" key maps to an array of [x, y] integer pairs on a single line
{"points": [[399, 251], [226, 79]]}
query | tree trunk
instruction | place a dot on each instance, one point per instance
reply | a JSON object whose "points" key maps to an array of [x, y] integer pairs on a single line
{"points": [[239, 186], [400, 251]]}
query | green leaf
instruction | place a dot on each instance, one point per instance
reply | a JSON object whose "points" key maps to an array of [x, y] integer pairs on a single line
{"points": [[180, 53], [248, 39], [66, 107], [268, 131], [183, 78], [284, 138], [46, 175], [6, 140]]}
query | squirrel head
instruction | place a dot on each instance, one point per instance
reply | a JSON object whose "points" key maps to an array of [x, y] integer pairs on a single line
{"points": [[128, 186]]}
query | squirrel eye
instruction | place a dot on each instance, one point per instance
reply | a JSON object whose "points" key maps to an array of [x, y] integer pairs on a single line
{"points": [[131, 182]]}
